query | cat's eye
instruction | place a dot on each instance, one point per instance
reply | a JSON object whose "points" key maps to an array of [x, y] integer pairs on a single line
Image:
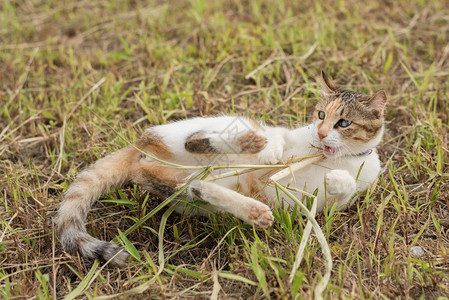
{"points": [[321, 115], [343, 123]]}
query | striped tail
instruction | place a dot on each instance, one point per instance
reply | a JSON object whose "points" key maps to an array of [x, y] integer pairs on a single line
{"points": [[111, 171]]}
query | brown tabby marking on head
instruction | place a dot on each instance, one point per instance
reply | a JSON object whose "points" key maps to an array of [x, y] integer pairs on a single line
{"points": [[364, 111], [362, 130]]}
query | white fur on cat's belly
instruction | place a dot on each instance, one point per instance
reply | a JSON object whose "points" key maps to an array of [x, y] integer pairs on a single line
{"points": [[340, 183], [339, 175], [271, 154], [274, 150]]}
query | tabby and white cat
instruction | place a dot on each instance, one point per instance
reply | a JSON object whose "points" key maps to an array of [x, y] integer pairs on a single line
{"points": [[347, 126]]}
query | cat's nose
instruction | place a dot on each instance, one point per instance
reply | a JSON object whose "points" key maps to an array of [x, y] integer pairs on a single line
{"points": [[322, 135]]}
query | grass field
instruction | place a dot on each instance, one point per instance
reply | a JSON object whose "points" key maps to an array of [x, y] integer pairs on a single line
{"points": [[75, 75]]}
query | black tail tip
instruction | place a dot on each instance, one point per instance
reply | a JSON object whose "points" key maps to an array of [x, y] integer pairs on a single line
{"points": [[113, 254], [74, 241]]}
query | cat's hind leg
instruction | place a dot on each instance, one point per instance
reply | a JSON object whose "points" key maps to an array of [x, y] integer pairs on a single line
{"points": [[165, 180], [158, 178], [218, 142], [223, 199]]}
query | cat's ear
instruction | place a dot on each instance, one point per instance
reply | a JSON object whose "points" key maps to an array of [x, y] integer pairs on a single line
{"points": [[377, 102], [328, 84]]}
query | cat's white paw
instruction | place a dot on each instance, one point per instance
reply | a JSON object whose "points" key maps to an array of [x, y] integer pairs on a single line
{"points": [[271, 154], [340, 183], [260, 215]]}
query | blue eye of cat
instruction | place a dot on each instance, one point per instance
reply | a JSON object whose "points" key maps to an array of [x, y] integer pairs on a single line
{"points": [[321, 115], [343, 123]]}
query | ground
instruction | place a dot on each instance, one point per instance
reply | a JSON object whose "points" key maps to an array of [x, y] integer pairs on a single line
{"points": [[77, 75]]}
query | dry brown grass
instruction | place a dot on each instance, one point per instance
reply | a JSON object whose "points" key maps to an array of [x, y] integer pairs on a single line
{"points": [[159, 61]]}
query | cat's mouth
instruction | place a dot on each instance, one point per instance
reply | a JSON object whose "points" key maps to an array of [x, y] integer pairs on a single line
{"points": [[329, 151]]}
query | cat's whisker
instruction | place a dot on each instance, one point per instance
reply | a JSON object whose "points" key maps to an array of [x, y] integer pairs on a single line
{"points": [[351, 152]]}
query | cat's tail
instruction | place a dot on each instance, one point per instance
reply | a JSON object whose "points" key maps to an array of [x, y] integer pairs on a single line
{"points": [[111, 171]]}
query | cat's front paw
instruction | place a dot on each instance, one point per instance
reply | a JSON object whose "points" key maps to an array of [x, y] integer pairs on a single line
{"points": [[271, 154], [340, 183]]}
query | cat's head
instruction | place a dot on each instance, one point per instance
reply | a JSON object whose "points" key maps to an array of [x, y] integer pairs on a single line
{"points": [[348, 122]]}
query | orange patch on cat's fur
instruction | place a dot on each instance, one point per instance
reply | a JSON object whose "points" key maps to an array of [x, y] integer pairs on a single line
{"points": [[90, 182], [158, 178], [153, 170], [154, 144], [331, 107], [254, 188], [327, 124]]}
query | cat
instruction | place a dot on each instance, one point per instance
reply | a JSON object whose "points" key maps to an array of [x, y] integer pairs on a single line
{"points": [[347, 126]]}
